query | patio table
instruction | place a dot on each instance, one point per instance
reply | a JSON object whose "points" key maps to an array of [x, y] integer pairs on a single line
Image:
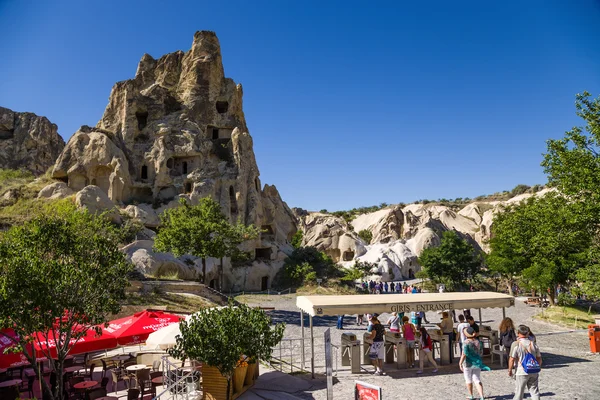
{"points": [[12, 382], [137, 367], [85, 385]]}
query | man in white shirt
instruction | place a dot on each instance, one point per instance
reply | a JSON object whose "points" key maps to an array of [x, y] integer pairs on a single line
{"points": [[462, 325]]}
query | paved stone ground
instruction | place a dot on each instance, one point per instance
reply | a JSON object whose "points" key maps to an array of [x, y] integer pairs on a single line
{"points": [[570, 371]]}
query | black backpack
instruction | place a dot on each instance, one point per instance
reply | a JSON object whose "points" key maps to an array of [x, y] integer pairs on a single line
{"points": [[508, 338]]}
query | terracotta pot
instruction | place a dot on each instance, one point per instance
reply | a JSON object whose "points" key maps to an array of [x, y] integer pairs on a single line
{"points": [[250, 374], [239, 375]]}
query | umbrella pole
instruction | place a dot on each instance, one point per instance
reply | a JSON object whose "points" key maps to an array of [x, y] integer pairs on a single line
{"points": [[480, 316], [503, 312], [312, 348], [302, 330]]}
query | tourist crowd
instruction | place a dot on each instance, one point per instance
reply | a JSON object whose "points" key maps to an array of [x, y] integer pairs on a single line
{"points": [[373, 287], [518, 344]]}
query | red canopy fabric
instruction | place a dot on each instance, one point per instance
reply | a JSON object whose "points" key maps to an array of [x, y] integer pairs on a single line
{"points": [[9, 360], [136, 328], [88, 343]]}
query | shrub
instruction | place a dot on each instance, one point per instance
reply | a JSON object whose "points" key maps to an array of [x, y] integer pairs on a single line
{"points": [[366, 236], [303, 265]]}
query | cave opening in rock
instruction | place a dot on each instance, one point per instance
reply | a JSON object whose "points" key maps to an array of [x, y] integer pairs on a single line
{"points": [[7, 134], [94, 181], [264, 283], [222, 107], [262, 253], [188, 187], [144, 174], [411, 274], [142, 119], [213, 284], [348, 255], [170, 163], [232, 201], [215, 133], [184, 168], [257, 184]]}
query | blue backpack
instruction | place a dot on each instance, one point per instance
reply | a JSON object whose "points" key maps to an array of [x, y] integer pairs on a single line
{"points": [[529, 362]]}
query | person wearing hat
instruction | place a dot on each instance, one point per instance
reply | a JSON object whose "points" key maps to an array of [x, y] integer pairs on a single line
{"points": [[377, 350], [471, 363], [518, 351]]}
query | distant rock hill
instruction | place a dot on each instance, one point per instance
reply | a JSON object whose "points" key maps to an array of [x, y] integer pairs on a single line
{"points": [[28, 141], [400, 233]]}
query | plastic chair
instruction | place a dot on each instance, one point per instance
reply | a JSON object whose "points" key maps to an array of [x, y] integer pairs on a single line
{"points": [[499, 351], [106, 367], [156, 365]]}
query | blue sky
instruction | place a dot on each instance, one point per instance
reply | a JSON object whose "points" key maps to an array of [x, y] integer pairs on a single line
{"points": [[349, 104]]}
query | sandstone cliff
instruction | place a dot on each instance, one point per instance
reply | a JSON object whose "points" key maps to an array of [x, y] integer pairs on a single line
{"points": [[400, 234], [177, 129], [28, 141]]}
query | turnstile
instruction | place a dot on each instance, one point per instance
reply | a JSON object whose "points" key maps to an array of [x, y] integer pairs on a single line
{"points": [[395, 347], [351, 352], [367, 342], [444, 343]]}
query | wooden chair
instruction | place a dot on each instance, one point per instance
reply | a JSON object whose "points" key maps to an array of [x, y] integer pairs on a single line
{"points": [[29, 388], [96, 393], [143, 381], [133, 394]]}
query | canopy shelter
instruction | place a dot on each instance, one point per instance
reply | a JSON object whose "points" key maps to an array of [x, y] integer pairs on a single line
{"points": [[136, 328], [10, 359], [388, 303]]}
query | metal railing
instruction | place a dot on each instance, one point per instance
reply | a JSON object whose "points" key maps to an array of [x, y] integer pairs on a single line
{"points": [[269, 292], [179, 383], [290, 356]]}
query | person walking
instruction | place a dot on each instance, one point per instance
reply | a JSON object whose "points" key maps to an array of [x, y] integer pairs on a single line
{"points": [[408, 331], [391, 287], [447, 328], [394, 322], [471, 364], [359, 319], [473, 324], [526, 358], [507, 334], [340, 322], [460, 329], [385, 287], [377, 350], [426, 346]]}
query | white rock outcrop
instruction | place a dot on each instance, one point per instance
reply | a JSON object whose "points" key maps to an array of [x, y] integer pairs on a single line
{"points": [[95, 200], [56, 190]]}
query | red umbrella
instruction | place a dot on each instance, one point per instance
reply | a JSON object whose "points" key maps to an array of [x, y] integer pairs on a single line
{"points": [[136, 328], [9, 360], [88, 343]]}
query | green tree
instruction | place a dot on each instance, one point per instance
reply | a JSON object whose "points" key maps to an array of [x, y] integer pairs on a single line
{"points": [[220, 337], [60, 275], [573, 162], [366, 235], [545, 240], [202, 231], [297, 239], [303, 265], [519, 189], [453, 262]]}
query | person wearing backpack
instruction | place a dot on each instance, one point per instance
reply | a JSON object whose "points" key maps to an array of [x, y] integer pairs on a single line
{"points": [[526, 357]]}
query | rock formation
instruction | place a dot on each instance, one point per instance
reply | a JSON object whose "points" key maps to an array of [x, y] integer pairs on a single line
{"points": [[177, 130], [400, 234], [28, 141]]}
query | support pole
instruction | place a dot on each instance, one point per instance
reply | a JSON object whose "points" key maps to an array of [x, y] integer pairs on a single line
{"points": [[302, 329], [480, 316], [312, 348], [503, 312]]}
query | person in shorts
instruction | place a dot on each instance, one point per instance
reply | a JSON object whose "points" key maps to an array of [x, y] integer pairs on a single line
{"points": [[471, 363], [377, 350], [524, 344], [408, 331], [460, 329]]}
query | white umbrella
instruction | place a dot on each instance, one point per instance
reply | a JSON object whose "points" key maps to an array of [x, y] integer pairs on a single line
{"points": [[164, 338]]}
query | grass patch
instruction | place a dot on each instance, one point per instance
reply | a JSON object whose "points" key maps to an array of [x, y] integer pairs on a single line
{"points": [[27, 208], [165, 301], [325, 290], [569, 317]]}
